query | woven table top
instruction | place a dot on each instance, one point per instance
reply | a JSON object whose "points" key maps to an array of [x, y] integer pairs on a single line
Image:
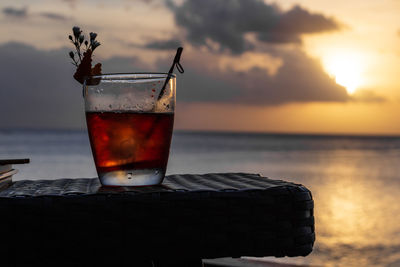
{"points": [[222, 182], [194, 216]]}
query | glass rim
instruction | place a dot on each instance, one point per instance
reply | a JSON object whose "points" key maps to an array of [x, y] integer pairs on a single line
{"points": [[131, 75]]}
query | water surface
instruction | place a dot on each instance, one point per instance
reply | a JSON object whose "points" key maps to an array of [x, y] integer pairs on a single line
{"points": [[354, 180]]}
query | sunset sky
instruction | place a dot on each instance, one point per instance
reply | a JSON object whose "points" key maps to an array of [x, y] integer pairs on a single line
{"points": [[313, 66]]}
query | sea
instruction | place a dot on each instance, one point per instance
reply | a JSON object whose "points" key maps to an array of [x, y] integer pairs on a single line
{"points": [[355, 180]]}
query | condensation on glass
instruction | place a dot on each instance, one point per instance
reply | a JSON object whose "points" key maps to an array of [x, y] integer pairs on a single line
{"points": [[130, 123]]}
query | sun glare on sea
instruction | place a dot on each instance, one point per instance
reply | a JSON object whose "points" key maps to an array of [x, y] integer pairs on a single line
{"points": [[346, 69]]}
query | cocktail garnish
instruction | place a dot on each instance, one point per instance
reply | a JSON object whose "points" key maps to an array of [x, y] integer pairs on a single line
{"points": [[82, 57]]}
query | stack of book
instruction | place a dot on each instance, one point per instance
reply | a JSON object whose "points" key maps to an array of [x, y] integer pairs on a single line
{"points": [[7, 170]]}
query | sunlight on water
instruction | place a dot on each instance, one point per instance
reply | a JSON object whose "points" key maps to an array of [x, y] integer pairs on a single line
{"points": [[353, 212], [352, 204], [357, 215]]}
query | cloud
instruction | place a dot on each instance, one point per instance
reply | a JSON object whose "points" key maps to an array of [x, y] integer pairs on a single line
{"points": [[23, 13], [226, 22], [164, 44], [53, 16], [15, 12], [299, 79], [366, 95], [168, 44], [38, 90], [72, 3], [124, 64]]}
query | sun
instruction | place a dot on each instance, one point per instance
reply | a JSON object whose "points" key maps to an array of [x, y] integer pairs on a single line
{"points": [[346, 68]]}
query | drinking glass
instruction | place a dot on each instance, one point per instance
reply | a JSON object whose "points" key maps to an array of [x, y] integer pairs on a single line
{"points": [[130, 121]]}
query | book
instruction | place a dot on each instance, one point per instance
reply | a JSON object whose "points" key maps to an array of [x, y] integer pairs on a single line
{"points": [[5, 168], [6, 164], [6, 178], [7, 171]]}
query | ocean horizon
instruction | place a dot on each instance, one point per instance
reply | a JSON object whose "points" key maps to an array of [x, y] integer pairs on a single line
{"points": [[216, 131], [354, 179]]}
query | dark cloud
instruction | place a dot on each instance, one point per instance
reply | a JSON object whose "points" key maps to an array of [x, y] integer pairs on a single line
{"points": [[15, 12], [164, 44], [53, 16], [299, 79], [38, 90], [227, 21]]}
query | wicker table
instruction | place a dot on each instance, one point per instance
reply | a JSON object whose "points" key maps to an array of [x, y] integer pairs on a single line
{"points": [[186, 219]]}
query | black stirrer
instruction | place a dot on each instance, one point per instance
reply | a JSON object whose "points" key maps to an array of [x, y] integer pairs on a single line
{"points": [[171, 70]]}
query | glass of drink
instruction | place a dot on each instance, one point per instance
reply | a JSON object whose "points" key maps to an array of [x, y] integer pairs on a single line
{"points": [[130, 119]]}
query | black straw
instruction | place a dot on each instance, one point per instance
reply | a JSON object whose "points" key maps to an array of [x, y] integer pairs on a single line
{"points": [[171, 70]]}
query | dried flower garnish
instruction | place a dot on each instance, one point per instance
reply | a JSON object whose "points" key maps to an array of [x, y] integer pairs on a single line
{"points": [[82, 57]]}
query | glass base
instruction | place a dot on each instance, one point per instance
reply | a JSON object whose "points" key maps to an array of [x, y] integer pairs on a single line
{"points": [[132, 177]]}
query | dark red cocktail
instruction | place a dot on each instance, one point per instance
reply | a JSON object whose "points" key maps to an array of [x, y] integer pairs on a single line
{"points": [[130, 127], [129, 141]]}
